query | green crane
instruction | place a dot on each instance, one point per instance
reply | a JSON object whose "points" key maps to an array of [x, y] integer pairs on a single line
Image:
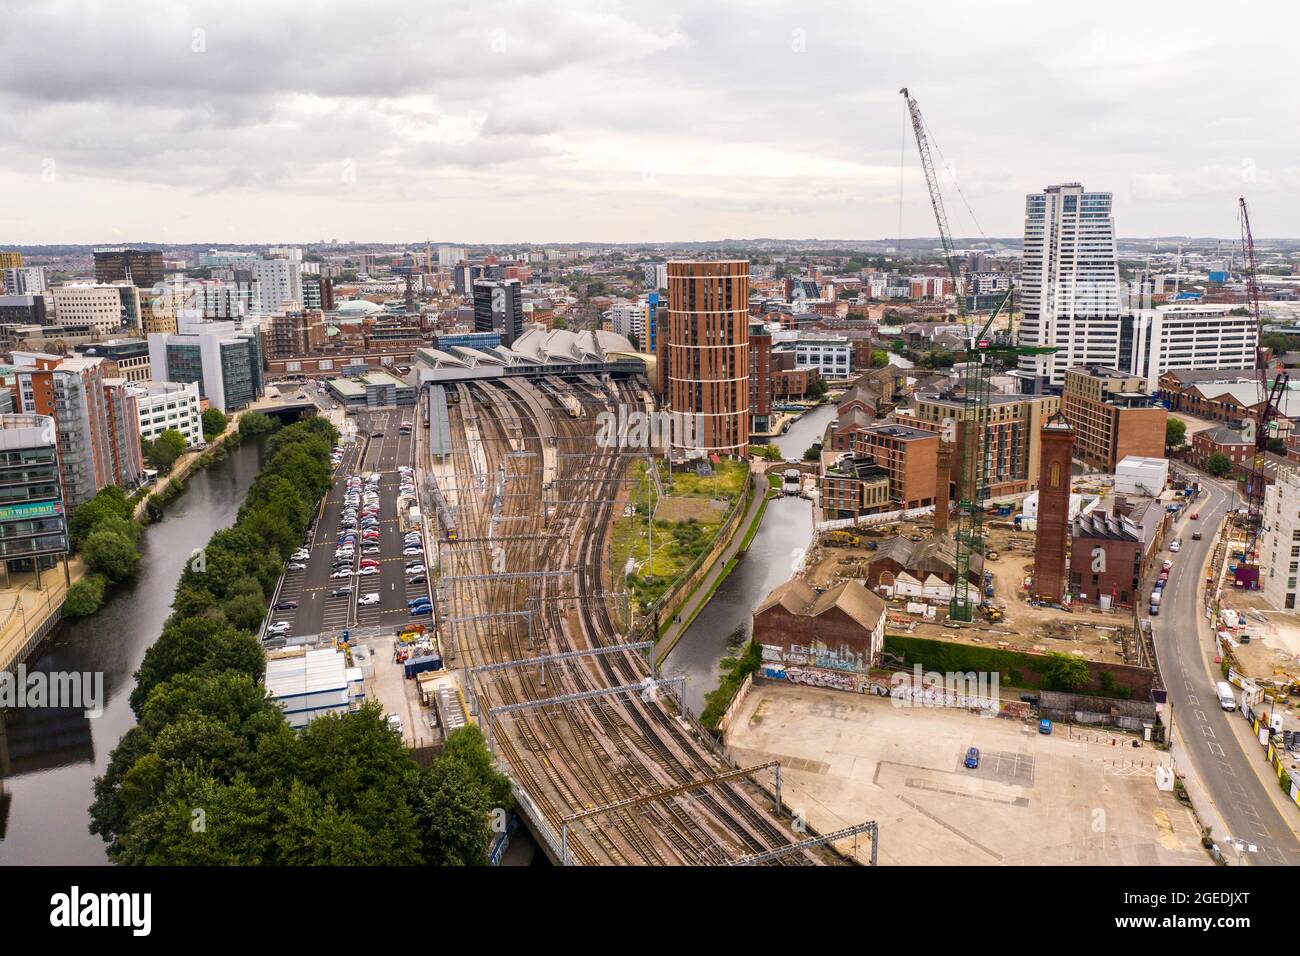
{"points": [[972, 428]]}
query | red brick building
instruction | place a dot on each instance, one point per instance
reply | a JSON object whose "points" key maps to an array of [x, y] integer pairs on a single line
{"points": [[1053, 533], [1113, 416], [1224, 441], [842, 629]]}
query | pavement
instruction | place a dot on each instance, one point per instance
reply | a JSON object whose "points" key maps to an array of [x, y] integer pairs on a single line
{"points": [[700, 596], [1214, 745], [1077, 797]]}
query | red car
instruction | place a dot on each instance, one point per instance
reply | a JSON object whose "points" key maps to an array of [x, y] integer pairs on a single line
{"points": [[1195, 515]]}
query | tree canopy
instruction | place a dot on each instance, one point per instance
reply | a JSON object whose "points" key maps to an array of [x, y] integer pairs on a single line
{"points": [[213, 775]]}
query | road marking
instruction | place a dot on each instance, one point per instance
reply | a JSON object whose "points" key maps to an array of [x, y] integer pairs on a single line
{"points": [[1207, 731], [1216, 750]]}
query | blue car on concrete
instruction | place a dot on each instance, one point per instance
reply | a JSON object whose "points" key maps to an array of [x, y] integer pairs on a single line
{"points": [[973, 758], [1044, 726]]}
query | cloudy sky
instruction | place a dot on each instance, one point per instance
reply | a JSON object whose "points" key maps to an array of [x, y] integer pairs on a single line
{"points": [[274, 121]]}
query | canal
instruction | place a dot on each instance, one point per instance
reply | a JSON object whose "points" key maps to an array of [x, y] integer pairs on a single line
{"points": [[54, 756], [805, 432], [725, 623]]}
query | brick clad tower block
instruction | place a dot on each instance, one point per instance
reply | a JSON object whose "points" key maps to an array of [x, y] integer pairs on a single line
{"points": [[1053, 535], [941, 488], [706, 340]]}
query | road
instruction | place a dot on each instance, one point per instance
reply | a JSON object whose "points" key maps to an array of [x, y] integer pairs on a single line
{"points": [[1182, 636], [380, 449]]}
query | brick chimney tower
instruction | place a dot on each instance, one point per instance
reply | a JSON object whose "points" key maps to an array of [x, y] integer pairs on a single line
{"points": [[1053, 535], [941, 485]]}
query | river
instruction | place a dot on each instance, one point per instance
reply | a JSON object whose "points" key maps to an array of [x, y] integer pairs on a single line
{"points": [[56, 755], [725, 623]]}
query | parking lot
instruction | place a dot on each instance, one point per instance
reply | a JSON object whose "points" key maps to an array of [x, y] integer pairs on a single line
{"points": [[353, 572], [1074, 797]]}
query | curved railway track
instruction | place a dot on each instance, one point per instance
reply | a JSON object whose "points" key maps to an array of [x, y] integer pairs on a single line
{"points": [[576, 756]]}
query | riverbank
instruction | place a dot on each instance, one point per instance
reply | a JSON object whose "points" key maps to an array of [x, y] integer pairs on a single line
{"points": [[721, 616], [54, 756]]}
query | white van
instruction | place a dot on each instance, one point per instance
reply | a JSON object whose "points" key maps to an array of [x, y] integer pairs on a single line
{"points": [[1155, 598], [1227, 699]]}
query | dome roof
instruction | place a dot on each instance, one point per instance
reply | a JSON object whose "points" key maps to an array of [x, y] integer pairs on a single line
{"points": [[358, 307]]}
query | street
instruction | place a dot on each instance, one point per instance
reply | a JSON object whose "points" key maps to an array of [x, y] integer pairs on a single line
{"points": [[1203, 729]]}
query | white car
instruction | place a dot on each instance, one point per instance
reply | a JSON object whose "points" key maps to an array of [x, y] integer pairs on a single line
{"points": [[367, 599], [296, 566], [302, 554], [368, 571], [394, 722], [279, 627], [341, 574], [413, 553], [415, 569]]}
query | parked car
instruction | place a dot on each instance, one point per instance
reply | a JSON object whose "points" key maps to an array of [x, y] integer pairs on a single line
{"points": [[279, 627], [297, 566], [973, 758], [1044, 726], [340, 592], [394, 722], [286, 605], [421, 609], [368, 599], [416, 579], [368, 571], [342, 573]]}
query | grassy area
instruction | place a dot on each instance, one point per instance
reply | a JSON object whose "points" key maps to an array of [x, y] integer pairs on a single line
{"points": [[677, 543]]}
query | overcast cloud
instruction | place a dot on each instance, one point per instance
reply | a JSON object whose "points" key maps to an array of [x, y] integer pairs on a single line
{"points": [[563, 121]]}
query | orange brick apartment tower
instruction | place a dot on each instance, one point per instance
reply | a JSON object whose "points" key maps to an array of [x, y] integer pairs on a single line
{"points": [[707, 344], [1057, 442]]}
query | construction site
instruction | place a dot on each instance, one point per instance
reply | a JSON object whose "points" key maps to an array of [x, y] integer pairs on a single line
{"points": [[1006, 615]]}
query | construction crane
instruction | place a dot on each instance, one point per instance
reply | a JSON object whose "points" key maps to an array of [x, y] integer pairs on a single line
{"points": [[973, 449], [1247, 573]]}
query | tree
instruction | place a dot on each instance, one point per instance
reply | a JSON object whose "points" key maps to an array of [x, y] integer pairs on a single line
{"points": [[214, 423], [85, 597], [252, 424], [163, 451], [1219, 465], [1277, 446], [879, 358], [111, 553], [1065, 672], [452, 810], [108, 504], [813, 452], [1175, 432]]}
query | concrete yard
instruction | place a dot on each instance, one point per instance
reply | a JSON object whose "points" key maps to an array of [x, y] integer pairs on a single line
{"points": [[1070, 798]]}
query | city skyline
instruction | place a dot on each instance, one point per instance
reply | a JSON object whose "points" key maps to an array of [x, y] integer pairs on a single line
{"points": [[193, 123]]}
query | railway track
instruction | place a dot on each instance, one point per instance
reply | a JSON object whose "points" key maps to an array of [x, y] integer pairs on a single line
{"points": [[578, 755]]}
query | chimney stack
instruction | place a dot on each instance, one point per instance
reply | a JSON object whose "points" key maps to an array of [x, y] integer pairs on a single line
{"points": [[1053, 533]]}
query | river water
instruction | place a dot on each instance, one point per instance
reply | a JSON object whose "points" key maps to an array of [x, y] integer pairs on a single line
{"points": [[725, 623], [54, 756]]}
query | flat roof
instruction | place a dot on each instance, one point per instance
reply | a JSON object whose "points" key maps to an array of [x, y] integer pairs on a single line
{"points": [[347, 386]]}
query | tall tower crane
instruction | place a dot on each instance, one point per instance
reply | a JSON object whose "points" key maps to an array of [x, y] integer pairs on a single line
{"points": [[1247, 573], [973, 448]]}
